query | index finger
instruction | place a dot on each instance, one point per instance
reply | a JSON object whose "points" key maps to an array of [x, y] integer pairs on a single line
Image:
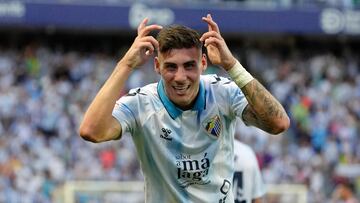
{"points": [[142, 24], [211, 24], [147, 29]]}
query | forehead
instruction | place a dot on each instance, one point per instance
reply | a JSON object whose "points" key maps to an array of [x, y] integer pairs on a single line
{"points": [[180, 55]]}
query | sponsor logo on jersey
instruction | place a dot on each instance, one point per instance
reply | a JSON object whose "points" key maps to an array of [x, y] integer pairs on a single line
{"points": [[213, 126], [192, 171]]}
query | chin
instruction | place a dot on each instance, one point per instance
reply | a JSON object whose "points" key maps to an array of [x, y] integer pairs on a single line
{"points": [[182, 103]]}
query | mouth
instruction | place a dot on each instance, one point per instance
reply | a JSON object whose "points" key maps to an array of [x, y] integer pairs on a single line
{"points": [[181, 89]]}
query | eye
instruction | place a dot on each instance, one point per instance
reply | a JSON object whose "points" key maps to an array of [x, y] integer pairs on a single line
{"points": [[170, 67], [189, 66]]}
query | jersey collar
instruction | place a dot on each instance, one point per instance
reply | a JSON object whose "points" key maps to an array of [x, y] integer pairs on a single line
{"points": [[172, 109]]}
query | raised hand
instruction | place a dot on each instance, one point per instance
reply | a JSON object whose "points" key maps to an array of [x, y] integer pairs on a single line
{"points": [[218, 52], [143, 46]]}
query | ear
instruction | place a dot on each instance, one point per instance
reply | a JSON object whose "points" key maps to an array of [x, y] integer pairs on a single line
{"points": [[157, 65], [203, 62]]}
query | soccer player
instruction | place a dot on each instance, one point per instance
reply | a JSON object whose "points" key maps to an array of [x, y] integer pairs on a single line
{"points": [[247, 183], [183, 126]]}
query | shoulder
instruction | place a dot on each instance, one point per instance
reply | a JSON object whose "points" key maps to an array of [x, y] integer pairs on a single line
{"points": [[147, 91], [216, 80], [141, 103], [219, 84], [140, 96]]}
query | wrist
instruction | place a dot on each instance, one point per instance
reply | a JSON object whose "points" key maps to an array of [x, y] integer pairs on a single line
{"points": [[239, 74], [124, 66], [230, 64]]}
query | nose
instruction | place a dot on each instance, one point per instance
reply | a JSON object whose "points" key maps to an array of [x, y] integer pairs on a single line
{"points": [[180, 75]]}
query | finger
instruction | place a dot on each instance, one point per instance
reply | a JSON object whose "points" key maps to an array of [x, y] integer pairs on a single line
{"points": [[206, 20], [209, 27], [213, 41], [142, 24], [152, 40], [147, 29], [210, 34], [149, 48], [211, 24]]}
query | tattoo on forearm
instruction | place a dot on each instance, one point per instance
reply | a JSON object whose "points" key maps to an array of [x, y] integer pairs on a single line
{"points": [[250, 118], [264, 106]]}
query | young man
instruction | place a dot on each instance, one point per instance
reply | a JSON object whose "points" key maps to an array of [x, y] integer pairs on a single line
{"points": [[182, 126], [248, 185]]}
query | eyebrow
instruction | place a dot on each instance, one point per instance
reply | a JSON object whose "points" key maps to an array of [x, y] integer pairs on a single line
{"points": [[186, 63], [169, 63], [190, 62]]}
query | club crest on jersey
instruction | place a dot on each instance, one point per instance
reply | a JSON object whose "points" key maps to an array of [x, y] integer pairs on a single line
{"points": [[213, 126]]}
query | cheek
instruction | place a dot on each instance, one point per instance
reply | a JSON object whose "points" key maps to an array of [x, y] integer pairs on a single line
{"points": [[167, 76], [194, 76]]}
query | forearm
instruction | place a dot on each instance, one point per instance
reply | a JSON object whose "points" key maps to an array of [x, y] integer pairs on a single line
{"points": [[269, 113], [264, 111], [98, 123]]}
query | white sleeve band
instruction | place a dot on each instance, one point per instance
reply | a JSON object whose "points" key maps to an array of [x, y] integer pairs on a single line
{"points": [[239, 75]]}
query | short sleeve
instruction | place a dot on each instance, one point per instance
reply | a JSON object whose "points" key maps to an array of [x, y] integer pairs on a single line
{"points": [[124, 114]]}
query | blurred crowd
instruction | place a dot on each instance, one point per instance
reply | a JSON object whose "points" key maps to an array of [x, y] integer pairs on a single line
{"points": [[44, 92], [321, 92]]}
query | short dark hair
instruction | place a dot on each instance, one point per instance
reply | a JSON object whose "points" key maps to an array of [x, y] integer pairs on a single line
{"points": [[178, 37]]}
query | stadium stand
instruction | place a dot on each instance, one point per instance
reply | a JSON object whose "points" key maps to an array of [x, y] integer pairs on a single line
{"points": [[49, 75]]}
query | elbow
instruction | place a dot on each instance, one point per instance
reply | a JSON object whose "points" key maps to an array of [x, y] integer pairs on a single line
{"points": [[87, 134], [281, 126]]}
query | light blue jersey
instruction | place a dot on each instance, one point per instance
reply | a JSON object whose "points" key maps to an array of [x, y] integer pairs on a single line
{"points": [[185, 156]]}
